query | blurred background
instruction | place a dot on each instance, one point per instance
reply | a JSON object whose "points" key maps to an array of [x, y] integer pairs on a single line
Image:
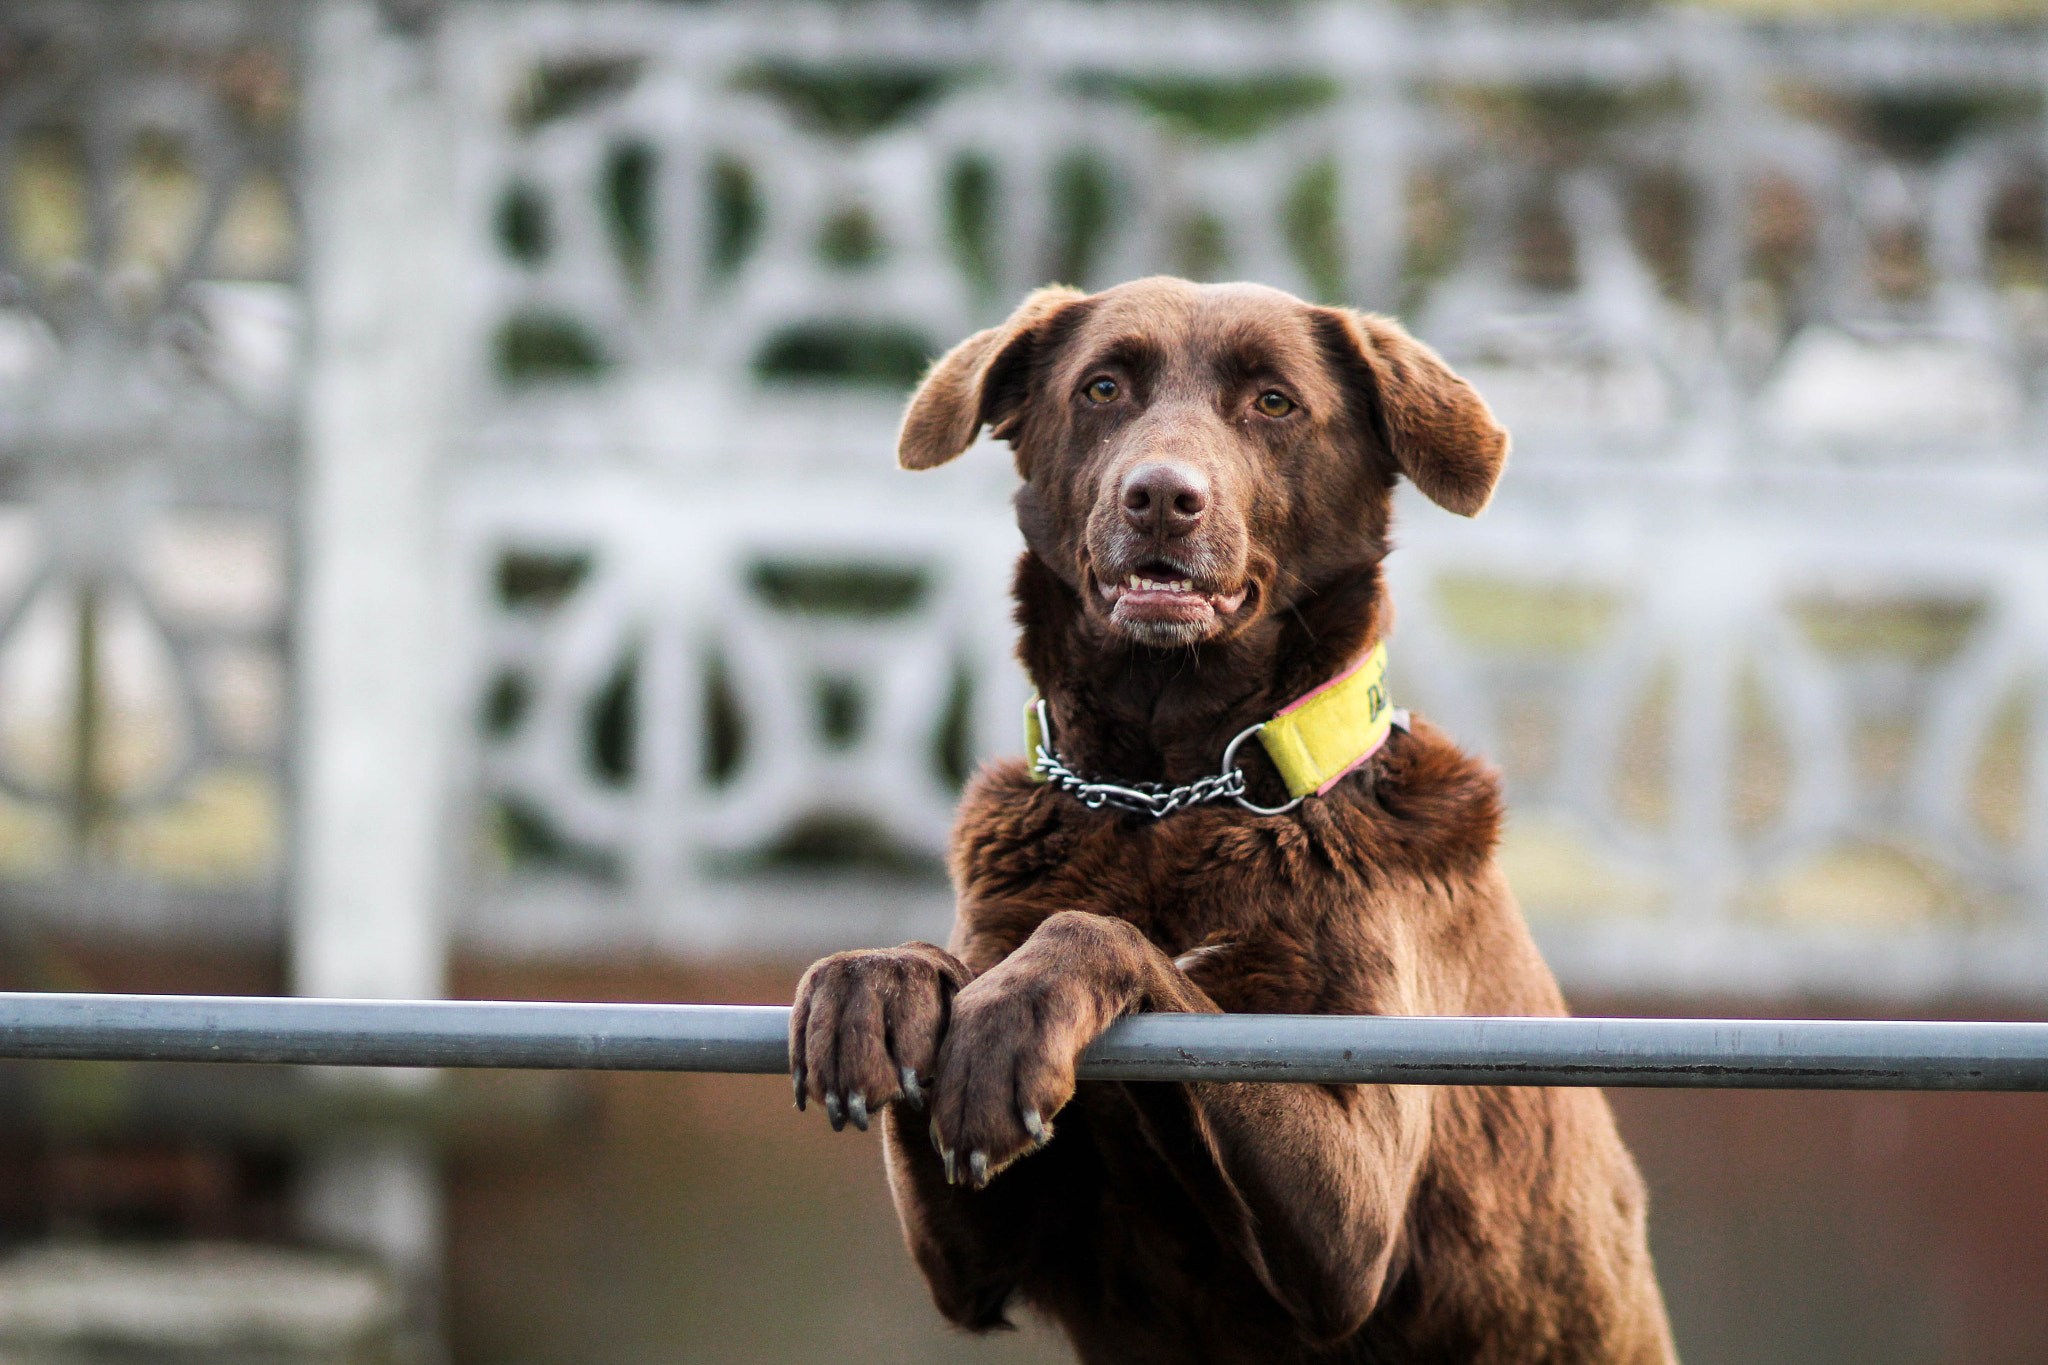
{"points": [[450, 544]]}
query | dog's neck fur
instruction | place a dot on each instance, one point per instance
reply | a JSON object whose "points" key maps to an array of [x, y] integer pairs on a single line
{"points": [[1125, 712]]}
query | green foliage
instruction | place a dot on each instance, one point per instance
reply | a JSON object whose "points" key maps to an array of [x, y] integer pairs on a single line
{"points": [[558, 89], [1081, 199], [1508, 616], [528, 837], [846, 353], [1926, 630], [1225, 111], [970, 220], [952, 746], [629, 177], [837, 842], [725, 724], [850, 240], [842, 711], [1565, 121], [847, 100], [538, 347], [735, 215], [534, 579], [1926, 125], [1201, 247], [1570, 108], [869, 591], [614, 713], [1309, 218], [505, 704], [523, 227]]}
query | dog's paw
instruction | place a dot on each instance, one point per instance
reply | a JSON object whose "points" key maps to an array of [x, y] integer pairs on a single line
{"points": [[1005, 1069], [866, 1028]]}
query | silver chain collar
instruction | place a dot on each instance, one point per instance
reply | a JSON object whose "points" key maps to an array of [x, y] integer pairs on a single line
{"points": [[1150, 798]]}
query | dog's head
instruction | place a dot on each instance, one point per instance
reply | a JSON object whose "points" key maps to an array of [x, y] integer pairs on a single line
{"points": [[1198, 457]]}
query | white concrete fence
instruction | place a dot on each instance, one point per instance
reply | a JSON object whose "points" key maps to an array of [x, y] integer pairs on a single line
{"points": [[576, 352]]}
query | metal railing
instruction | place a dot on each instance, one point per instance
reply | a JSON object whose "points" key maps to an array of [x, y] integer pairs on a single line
{"points": [[1766, 1054]]}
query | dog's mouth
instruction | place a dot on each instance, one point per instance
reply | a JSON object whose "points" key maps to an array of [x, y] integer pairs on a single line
{"points": [[1158, 596]]}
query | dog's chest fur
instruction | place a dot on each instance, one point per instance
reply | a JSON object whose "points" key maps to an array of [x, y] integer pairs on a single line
{"points": [[1285, 906]]}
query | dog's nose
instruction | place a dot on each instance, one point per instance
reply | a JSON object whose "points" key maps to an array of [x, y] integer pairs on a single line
{"points": [[1164, 500]]}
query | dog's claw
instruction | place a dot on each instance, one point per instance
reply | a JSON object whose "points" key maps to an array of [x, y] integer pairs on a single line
{"points": [[835, 1114], [946, 1156], [912, 1091], [977, 1168], [797, 1079], [1034, 1125], [857, 1109]]}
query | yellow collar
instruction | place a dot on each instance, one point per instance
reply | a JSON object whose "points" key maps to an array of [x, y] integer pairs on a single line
{"points": [[1313, 741]]}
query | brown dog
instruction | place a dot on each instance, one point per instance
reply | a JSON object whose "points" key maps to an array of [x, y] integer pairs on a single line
{"points": [[1207, 474]]}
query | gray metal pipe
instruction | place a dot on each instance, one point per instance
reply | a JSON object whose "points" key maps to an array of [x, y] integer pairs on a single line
{"points": [[1774, 1054]]}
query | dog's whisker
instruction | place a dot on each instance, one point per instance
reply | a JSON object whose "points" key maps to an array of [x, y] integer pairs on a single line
{"points": [[1195, 955]]}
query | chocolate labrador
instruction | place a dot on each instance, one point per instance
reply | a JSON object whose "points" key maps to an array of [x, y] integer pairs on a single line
{"points": [[1207, 472]]}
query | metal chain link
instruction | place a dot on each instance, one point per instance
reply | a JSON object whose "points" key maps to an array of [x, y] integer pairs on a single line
{"points": [[1153, 798], [1142, 798], [1146, 798]]}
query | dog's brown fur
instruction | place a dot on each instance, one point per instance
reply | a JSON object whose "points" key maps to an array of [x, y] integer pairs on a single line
{"points": [[1224, 1222]]}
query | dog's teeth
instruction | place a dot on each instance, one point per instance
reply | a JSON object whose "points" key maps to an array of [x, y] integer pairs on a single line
{"points": [[1136, 583]]}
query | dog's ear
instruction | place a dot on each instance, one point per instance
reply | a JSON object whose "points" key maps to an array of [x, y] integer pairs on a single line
{"points": [[1435, 425], [977, 383]]}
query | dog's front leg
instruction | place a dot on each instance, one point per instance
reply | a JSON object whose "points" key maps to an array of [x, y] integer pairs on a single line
{"points": [[864, 1039], [1307, 1183], [1310, 1183]]}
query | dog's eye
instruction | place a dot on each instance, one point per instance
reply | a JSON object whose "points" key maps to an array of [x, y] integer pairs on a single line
{"points": [[1274, 403], [1103, 391]]}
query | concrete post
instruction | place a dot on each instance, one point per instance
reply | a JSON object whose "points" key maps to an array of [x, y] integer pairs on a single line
{"points": [[376, 715]]}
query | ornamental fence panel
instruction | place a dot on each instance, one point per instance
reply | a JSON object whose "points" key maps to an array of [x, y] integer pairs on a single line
{"points": [[149, 320], [1754, 628]]}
